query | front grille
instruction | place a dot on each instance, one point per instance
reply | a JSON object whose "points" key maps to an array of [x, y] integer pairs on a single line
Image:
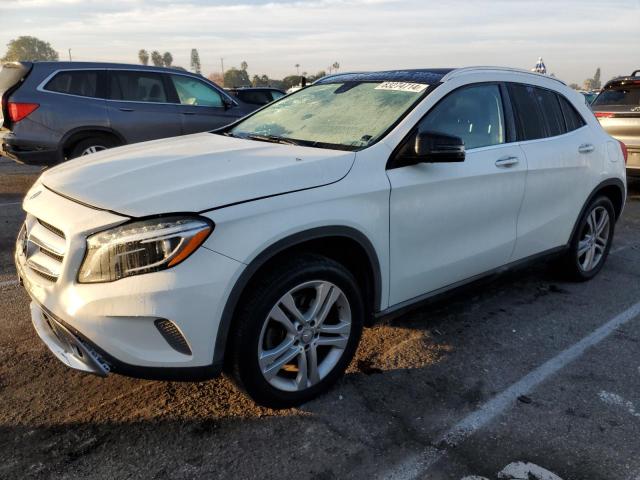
{"points": [[44, 247]]}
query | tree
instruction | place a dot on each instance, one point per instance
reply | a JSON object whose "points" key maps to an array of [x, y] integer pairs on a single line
{"points": [[143, 56], [575, 86], [243, 66], [260, 81], [596, 80], [195, 61], [156, 58], [29, 49], [336, 66], [216, 78], [236, 78], [297, 65], [290, 81], [167, 59]]}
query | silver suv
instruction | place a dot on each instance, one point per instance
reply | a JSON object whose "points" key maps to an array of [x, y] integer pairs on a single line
{"points": [[53, 111], [618, 109]]}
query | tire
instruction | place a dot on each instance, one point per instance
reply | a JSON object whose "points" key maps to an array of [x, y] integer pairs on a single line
{"points": [[575, 262], [260, 343], [96, 143]]}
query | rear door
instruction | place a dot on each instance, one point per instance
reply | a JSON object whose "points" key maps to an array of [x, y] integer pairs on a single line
{"points": [[202, 107], [560, 151], [139, 106]]}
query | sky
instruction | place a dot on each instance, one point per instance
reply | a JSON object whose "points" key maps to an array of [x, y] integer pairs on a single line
{"points": [[574, 37]]}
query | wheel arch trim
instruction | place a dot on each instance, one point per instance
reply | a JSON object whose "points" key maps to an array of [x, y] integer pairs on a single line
{"points": [[615, 182], [280, 246], [89, 129]]}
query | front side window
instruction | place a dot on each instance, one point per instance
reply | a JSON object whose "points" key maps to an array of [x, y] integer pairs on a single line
{"points": [[472, 113], [78, 82], [194, 92], [343, 115], [137, 87]]}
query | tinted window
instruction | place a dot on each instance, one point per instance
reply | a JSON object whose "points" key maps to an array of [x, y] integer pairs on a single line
{"points": [[529, 119], [551, 111], [83, 83], [572, 118], [255, 97], [472, 113], [619, 95], [194, 92], [136, 87], [275, 94]]}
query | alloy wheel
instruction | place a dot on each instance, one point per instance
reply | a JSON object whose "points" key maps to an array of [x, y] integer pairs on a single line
{"points": [[304, 335], [594, 239], [92, 149]]}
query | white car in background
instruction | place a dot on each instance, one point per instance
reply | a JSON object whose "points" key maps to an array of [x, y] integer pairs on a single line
{"points": [[265, 247]]}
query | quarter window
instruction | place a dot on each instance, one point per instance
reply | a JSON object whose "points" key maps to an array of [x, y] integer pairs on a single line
{"points": [[83, 83], [137, 87], [472, 113], [572, 118], [194, 92]]}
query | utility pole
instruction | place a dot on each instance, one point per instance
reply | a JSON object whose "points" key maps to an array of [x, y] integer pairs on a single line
{"points": [[70, 55], [222, 68]]}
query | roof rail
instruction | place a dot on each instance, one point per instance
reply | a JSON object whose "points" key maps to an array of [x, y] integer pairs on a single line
{"points": [[458, 71]]}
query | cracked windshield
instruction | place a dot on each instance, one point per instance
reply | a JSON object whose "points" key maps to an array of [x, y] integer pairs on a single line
{"points": [[349, 115]]}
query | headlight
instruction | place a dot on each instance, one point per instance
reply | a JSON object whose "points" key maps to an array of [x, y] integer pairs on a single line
{"points": [[142, 247]]}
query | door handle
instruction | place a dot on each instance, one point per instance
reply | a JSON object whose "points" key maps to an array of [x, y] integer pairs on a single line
{"points": [[506, 162], [126, 109], [586, 148]]}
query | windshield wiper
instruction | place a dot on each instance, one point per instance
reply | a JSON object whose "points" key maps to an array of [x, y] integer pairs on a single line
{"points": [[272, 139]]}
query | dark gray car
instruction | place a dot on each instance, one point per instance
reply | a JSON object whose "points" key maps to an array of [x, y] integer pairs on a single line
{"points": [[52, 111]]}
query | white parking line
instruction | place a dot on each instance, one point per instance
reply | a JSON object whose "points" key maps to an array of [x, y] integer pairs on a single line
{"points": [[417, 465], [8, 283]]}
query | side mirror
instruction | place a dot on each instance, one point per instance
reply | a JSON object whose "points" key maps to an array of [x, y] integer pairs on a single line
{"points": [[227, 103], [435, 147]]}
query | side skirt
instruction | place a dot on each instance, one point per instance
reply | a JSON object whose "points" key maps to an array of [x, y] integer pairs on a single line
{"points": [[431, 297]]}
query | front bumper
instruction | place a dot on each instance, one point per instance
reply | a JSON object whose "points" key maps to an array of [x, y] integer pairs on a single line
{"points": [[112, 327]]}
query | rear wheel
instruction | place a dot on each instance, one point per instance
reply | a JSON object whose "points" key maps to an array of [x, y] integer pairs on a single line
{"points": [[93, 144], [297, 330], [592, 240]]}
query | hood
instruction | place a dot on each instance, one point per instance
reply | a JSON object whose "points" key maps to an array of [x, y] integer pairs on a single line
{"points": [[193, 173]]}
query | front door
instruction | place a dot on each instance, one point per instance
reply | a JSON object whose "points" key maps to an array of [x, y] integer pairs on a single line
{"points": [[452, 221]]}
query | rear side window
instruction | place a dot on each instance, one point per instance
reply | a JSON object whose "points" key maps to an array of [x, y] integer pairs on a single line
{"points": [[194, 92], [78, 82], [137, 87], [572, 118], [542, 113], [627, 95], [529, 119]]}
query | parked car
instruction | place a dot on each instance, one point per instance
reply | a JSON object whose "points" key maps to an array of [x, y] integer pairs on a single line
{"points": [[618, 109], [266, 246], [256, 95], [52, 111], [589, 97]]}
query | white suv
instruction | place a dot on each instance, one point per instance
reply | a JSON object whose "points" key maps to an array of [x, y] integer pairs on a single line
{"points": [[265, 247]]}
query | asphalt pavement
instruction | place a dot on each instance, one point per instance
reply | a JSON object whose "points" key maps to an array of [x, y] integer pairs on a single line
{"points": [[525, 368]]}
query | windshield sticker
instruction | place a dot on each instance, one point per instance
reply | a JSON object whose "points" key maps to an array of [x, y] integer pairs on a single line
{"points": [[403, 86]]}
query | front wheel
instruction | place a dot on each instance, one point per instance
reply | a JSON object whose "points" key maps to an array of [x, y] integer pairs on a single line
{"points": [[592, 240], [297, 330]]}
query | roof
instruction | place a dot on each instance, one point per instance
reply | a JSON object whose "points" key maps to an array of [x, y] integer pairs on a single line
{"points": [[429, 76], [130, 66]]}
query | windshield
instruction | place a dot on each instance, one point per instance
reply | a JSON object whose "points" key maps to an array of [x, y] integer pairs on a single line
{"points": [[347, 115]]}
